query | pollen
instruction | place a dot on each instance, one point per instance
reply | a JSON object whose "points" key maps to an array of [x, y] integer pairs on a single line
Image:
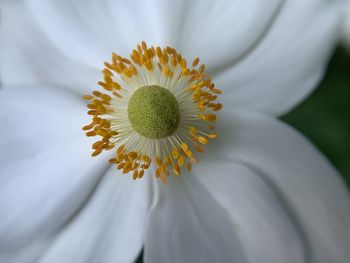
{"points": [[153, 110]]}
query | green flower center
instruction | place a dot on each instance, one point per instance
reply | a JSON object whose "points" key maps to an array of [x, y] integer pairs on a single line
{"points": [[153, 112]]}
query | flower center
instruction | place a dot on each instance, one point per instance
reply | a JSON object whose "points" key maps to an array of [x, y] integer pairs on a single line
{"points": [[153, 112], [156, 110]]}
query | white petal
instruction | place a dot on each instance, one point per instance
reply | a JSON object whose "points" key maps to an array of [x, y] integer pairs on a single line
{"points": [[187, 225], [28, 254], [297, 172], [28, 57], [288, 63], [89, 31], [346, 25], [37, 117], [223, 32], [46, 171], [110, 227], [266, 225]]}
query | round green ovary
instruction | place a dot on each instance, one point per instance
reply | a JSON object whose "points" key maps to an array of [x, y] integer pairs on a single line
{"points": [[153, 112]]}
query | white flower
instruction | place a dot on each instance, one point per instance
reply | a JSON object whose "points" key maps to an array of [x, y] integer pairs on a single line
{"points": [[261, 192]]}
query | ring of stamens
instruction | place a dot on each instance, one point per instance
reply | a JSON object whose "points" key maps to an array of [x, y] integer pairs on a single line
{"points": [[170, 149]]}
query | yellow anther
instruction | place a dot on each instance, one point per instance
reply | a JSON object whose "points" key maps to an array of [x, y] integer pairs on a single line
{"points": [[183, 64], [148, 65], [96, 152], [144, 45], [173, 61], [181, 161], [216, 91], [176, 169], [141, 173], [132, 156], [135, 166], [135, 174], [112, 161], [91, 133], [163, 178], [121, 149], [168, 160], [127, 165], [87, 97], [217, 107], [165, 59], [202, 140], [211, 117], [117, 94], [120, 157], [212, 135], [189, 167], [97, 144], [159, 161], [97, 93], [145, 159], [88, 127], [193, 130], [198, 148], [195, 62], [175, 153], [184, 146], [159, 52]]}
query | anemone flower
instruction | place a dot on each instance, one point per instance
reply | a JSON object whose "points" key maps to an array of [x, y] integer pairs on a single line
{"points": [[259, 193]]}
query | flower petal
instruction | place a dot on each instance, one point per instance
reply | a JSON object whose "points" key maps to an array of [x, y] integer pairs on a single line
{"points": [[299, 174], [28, 57], [346, 26], [36, 117], [110, 227], [223, 32], [117, 25], [288, 63], [46, 171], [31, 253], [266, 225], [89, 31], [187, 225]]}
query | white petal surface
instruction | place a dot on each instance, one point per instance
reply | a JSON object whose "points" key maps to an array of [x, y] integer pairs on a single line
{"points": [[37, 117], [304, 181], [110, 227], [187, 225], [46, 171], [220, 32], [89, 31], [268, 230], [30, 253], [346, 26], [28, 57], [289, 61]]}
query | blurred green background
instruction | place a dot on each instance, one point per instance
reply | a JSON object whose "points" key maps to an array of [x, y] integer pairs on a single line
{"points": [[324, 117]]}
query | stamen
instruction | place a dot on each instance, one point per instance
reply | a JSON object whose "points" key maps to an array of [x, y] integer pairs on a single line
{"points": [[155, 110]]}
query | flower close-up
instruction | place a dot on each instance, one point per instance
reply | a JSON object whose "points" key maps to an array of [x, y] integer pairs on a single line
{"points": [[150, 130], [162, 107]]}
